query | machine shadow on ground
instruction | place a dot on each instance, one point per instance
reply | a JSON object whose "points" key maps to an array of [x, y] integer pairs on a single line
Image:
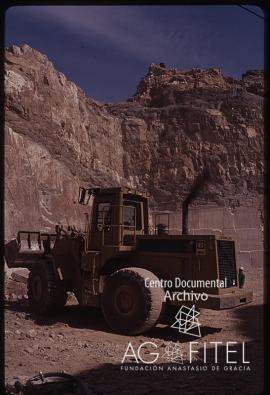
{"points": [[80, 317]]}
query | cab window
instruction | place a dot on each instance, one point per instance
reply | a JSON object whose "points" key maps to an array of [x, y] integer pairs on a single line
{"points": [[104, 216], [132, 211]]}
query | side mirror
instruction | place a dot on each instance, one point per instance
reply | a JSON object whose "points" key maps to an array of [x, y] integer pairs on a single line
{"points": [[84, 196], [82, 193]]}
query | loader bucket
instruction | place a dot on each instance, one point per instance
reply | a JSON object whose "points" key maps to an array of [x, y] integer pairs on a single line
{"points": [[28, 248]]}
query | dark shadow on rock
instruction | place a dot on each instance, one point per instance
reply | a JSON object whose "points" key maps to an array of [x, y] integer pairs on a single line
{"points": [[168, 379]]}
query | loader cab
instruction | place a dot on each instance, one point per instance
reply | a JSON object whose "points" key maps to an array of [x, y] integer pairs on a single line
{"points": [[118, 216]]}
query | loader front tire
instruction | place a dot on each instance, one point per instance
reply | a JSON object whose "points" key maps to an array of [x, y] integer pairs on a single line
{"points": [[128, 305], [44, 293]]}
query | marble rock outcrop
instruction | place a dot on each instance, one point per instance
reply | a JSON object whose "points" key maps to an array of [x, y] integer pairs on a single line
{"points": [[159, 140]]}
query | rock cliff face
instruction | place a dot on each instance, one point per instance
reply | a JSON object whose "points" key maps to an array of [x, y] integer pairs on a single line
{"points": [[57, 138]]}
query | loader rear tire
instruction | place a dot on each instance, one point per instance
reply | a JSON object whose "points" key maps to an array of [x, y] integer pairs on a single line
{"points": [[44, 293], [128, 305]]}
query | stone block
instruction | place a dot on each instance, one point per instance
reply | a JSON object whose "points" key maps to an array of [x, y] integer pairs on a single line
{"points": [[208, 217], [249, 239], [247, 217]]}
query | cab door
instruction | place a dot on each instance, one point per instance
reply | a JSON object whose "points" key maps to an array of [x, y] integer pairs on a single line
{"points": [[133, 220], [105, 222]]}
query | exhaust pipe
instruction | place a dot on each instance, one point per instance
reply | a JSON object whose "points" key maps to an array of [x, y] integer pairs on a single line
{"points": [[196, 187], [185, 218]]}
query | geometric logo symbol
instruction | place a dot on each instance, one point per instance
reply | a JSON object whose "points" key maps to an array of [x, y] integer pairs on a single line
{"points": [[187, 321], [173, 353]]}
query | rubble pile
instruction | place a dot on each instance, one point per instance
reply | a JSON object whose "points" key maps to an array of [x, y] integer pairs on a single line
{"points": [[16, 285]]}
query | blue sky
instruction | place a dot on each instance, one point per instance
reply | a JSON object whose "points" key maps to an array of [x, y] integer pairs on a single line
{"points": [[106, 50]]}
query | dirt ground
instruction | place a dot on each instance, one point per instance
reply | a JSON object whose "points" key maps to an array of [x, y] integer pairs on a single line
{"points": [[78, 342]]}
